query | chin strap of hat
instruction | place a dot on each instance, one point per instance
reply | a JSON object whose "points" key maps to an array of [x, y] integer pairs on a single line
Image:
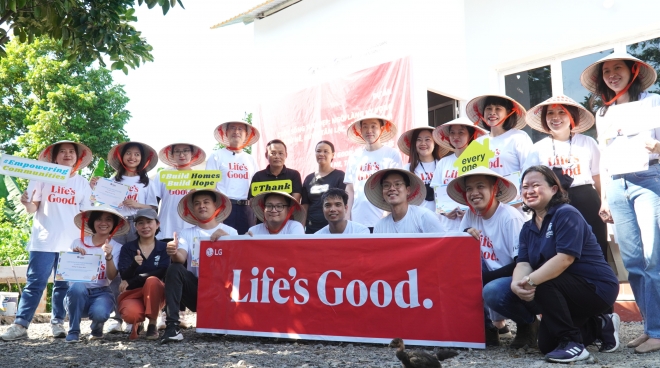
{"points": [[168, 153], [446, 138], [514, 110], [247, 140], [187, 212], [490, 201], [84, 221], [121, 162], [79, 162], [570, 117], [386, 128], [464, 195], [286, 219], [635, 70]]}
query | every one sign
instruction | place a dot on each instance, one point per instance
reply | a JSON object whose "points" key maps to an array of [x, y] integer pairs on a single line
{"points": [[190, 179], [344, 288], [33, 169], [475, 155]]}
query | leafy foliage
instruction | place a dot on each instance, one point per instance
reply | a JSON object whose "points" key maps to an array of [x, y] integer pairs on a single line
{"points": [[248, 119], [87, 30], [47, 98], [13, 239]]}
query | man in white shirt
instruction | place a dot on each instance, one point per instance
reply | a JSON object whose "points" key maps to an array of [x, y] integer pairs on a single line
{"points": [[280, 212], [206, 209], [496, 225], [335, 206], [372, 132], [401, 192], [238, 168]]}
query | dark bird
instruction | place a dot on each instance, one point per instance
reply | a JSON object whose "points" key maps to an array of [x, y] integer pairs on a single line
{"points": [[418, 358]]}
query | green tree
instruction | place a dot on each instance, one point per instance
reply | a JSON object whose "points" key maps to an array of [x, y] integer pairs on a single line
{"points": [[88, 30], [49, 98], [248, 119]]}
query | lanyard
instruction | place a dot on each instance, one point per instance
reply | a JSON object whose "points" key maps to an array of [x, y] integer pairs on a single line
{"points": [[570, 149]]}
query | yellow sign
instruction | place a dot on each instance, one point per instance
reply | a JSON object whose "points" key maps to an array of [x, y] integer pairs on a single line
{"points": [[190, 179], [285, 186], [475, 155]]}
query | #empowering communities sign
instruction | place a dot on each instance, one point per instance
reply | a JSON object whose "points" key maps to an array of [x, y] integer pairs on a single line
{"points": [[420, 287], [33, 169], [190, 179]]}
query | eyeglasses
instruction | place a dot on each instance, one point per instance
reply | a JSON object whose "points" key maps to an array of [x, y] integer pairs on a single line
{"points": [[182, 152], [236, 128], [397, 185], [277, 207]]}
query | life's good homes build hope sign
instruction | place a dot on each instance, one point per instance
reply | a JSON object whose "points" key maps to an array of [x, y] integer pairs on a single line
{"points": [[424, 289], [190, 179]]}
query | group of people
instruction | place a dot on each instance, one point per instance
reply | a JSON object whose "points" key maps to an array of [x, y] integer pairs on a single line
{"points": [[543, 247]]}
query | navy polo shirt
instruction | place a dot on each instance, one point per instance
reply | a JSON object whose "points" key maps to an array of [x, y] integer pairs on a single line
{"points": [[564, 230], [288, 181], [158, 260]]}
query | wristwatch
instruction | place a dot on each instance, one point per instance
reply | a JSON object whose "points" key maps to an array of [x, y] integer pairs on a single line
{"points": [[530, 282]]}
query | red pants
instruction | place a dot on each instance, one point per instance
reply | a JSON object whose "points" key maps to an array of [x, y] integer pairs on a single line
{"points": [[147, 301]]}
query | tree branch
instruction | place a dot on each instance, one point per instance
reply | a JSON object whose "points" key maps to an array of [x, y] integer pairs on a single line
{"points": [[7, 15]]}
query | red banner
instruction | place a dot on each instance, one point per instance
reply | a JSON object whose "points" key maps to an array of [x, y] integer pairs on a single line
{"points": [[324, 111], [426, 290]]}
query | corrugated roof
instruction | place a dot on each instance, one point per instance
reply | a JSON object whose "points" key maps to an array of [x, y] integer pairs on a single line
{"points": [[257, 12]]}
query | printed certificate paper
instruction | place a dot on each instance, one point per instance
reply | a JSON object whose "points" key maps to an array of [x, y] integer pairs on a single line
{"points": [[75, 267], [110, 192]]}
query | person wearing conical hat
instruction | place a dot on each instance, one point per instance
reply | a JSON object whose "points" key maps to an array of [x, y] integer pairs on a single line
{"points": [[371, 131], [401, 193], [280, 213], [496, 226], [424, 155], [631, 200], [177, 156], [237, 167], [205, 210], [574, 157], [98, 227], [54, 207], [504, 118], [454, 136]]}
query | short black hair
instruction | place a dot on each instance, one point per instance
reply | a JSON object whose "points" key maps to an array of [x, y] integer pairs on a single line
{"points": [[56, 150], [95, 215], [335, 193], [204, 192], [287, 199], [560, 197], [276, 141], [332, 146], [182, 144], [508, 105], [406, 179]]}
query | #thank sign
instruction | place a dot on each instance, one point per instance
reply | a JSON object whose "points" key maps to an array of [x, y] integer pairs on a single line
{"points": [[425, 289]]}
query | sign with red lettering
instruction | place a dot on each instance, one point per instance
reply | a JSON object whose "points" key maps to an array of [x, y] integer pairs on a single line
{"points": [[424, 289], [324, 112]]}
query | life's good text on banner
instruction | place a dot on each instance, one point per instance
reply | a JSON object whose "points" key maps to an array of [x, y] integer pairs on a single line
{"points": [[426, 289]]}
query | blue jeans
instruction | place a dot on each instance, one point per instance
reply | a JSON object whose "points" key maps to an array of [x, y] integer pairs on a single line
{"points": [[95, 303], [634, 201], [40, 266], [498, 297]]}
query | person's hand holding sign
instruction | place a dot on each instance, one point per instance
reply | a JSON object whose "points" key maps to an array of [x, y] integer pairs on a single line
{"points": [[80, 250], [217, 234]]}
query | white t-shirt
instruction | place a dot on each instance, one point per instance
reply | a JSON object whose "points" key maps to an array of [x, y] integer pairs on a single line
{"points": [[360, 167], [190, 238], [581, 164], [137, 192], [53, 229], [417, 220], [292, 227], [511, 150], [352, 227], [167, 214], [425, 172], [237, 171], [443, 174], [500, 234], [102, 279]]}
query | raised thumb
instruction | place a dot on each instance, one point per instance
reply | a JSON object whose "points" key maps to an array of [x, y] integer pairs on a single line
{"points": [[138, 252], [176, 238]]}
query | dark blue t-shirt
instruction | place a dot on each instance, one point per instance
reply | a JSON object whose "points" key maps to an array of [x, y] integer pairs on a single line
{"points": [[155, 265], [564, 230]]}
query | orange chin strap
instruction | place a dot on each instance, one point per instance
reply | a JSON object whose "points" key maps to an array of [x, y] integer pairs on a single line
{"points": [[187, 212], [169, 153], [446, 138], [385, 128], [286, 219], [570, 117], [635, 69], [514, 110], [490, 201], [77, 165], [247, 140], [121, 162], [82, 231]]}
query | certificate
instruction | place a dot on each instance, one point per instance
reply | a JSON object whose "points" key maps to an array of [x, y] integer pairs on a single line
{"points": [[73, 266], [194, 257], [109, 192], [444, 203], [636, 157], [514, 177]]}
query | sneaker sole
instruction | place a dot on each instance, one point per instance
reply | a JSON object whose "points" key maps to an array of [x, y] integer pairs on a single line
{"points": [[72, 341], [583, 355], [16, 338], [176, 338], [616, 321]]}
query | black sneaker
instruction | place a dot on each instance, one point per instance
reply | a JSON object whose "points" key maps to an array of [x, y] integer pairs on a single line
{"points": [[526, 335], [152, 332], [172, 333], [492, 336], [567, 351], [609, 336], [504, 332]]}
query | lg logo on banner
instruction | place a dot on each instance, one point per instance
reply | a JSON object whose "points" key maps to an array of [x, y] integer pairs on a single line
{"points": [[210, 252], [356, 292]]}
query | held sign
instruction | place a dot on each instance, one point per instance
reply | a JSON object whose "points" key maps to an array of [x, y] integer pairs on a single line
{"points": [[425, 289], [190, 179], [475, 155], [33, 169]]}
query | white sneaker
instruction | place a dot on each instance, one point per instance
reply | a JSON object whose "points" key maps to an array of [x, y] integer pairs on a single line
{"points": [[14, 332], [58, 330], [128, 327], [161, 321], [182, 320], [113, 326]]}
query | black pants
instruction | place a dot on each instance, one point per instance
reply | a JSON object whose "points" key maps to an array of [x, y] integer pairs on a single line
{"points": [[180, 290], [570, 308], [586, 200], [241, 218]]}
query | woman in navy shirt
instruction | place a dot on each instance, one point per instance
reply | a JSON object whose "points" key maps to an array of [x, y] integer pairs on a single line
{"points": [[560, 273]]}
